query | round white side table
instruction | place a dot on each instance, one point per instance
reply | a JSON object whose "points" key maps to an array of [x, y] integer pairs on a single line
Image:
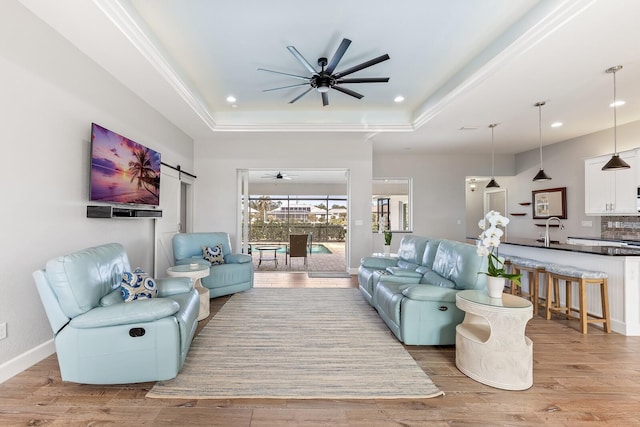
{"points": [[195, 272], [491, 347]]}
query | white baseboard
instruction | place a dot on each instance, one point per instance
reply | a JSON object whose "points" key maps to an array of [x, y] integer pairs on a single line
{"points": [[26, 360]]}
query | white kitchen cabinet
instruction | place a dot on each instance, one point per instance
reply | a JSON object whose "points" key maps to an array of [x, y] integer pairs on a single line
{"points": [[611, 192]]}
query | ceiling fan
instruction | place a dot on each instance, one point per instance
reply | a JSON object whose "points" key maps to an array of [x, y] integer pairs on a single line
{"points": [[278, 175], [327, 78]]}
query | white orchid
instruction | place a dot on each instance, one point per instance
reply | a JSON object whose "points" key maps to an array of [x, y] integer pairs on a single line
{"points": [[489, 240]]}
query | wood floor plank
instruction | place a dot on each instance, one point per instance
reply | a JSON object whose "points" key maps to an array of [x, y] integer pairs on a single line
{"points": [[578, 380]]}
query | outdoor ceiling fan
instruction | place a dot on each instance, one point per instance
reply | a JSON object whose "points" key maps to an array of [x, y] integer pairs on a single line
{"points": [[278, 175], [326, 78]]}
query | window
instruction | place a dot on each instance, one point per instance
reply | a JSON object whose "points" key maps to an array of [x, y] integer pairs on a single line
{"points": [[391, 204]]}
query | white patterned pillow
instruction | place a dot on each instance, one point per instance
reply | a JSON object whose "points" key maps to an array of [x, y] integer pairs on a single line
{"points": [[137, 285], [213, 255]]}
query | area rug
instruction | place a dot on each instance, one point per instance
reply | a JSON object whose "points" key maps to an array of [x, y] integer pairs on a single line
{"points": [[305, 343]]}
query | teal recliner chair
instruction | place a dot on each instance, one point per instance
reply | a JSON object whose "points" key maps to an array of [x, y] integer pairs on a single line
{"points": [[235, 275], [99, 338]]}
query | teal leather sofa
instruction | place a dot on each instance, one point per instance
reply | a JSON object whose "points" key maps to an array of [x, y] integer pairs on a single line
{"points": [[417, 300], [99, 338], [235, 275]]}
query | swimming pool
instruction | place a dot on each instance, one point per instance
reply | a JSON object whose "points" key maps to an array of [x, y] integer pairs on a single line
{"points": [[316, 248]]}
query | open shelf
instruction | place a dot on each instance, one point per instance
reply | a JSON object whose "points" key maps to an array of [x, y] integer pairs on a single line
{"points": [[517, 214], [95, 211], [524, 203]]}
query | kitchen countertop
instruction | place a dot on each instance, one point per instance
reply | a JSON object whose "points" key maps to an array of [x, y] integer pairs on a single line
{"points": [[632, 250], [594, 250]]}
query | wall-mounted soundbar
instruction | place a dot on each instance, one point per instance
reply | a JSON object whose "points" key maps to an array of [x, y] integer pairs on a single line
{"points": [[94, 211]]}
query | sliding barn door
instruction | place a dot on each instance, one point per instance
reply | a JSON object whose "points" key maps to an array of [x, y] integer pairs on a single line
{"points": [[175, 202]]}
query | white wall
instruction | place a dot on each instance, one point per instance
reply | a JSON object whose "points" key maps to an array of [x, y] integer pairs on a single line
{"points": [[218, 159], [50, 95]]}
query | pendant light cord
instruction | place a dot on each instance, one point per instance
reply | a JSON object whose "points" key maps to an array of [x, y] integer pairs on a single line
{"points": [[540, 130], [493, 175], [615, 119]]}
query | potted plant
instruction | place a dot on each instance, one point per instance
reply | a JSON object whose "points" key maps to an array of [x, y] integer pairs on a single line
{"points": [[387, 241], [488, 243]]}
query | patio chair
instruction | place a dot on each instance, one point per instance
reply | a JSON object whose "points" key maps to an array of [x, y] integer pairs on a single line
{"points": [[298, 247]]}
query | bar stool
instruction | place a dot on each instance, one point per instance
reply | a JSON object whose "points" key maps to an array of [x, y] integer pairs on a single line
{"points": [[533, 269], [555, 273]]}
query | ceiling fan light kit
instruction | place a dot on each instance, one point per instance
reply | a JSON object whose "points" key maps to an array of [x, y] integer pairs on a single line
{"points": [[615, 163], [326, 78]]}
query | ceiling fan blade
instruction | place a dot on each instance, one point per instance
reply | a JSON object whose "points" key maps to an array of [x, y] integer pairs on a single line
{"points": [[300, 96], [369, 63], [284, 87], [284, 74], [303, 61], [325, 99], [344, 45], [348, 91], [365, 80]]}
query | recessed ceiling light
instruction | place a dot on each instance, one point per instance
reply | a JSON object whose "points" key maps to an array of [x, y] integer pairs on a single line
{"points": [[398, 99], [556, 124], [231, 98], [618, 103]]}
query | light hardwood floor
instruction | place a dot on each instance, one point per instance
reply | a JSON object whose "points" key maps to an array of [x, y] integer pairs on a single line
{"points": [[579, 380]]}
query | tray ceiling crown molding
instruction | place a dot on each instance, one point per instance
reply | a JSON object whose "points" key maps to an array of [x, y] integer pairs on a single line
{"points": [[541, 21]]}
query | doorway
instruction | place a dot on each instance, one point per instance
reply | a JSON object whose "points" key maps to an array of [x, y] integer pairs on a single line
{"points": [[274, 204]]}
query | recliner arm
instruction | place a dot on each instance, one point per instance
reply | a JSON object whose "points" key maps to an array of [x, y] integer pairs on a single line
{"points": [[403, 272], [139, 311], [390, 278], [378, 263], [430, 293], [237, 258], [173, 285]]}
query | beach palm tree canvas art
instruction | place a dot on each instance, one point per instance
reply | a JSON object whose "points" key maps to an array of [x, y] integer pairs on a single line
{"points": [[122, 170]]}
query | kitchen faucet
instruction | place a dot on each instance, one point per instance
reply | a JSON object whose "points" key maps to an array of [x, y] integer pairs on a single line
{"points": [[546, 231]]}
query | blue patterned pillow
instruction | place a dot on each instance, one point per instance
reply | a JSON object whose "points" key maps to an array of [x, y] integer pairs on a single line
{"points": [[213, 255], [137, 285]]}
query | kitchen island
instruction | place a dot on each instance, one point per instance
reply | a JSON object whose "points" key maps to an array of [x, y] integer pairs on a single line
{"points": [[622, 264]]}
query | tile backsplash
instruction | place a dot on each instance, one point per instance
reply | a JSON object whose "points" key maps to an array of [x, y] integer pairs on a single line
{"points": [[620, 227]]}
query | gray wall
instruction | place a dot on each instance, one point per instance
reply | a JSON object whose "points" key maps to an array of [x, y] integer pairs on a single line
{"points": [[564, 162], [218, 160], [439, 187], [50, 95]]}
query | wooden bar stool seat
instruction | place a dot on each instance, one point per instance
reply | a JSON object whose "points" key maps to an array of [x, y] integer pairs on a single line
{"points": [[533, 269], [582, 277]]}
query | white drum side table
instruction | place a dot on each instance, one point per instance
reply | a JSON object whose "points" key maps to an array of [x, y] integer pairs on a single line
{"points": [[195, 272], [491, 346]]}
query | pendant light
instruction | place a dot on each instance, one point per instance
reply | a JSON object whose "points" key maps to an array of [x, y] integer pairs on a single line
{"points": [[541, 175], [492, 183], [615, 163]]}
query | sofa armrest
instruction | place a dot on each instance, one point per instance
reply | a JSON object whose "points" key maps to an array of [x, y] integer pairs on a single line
{"points": [[402, 272], [430, 293], [139, 311], [377, 263], [193, 260], [173, 285], [237, 258], [390, 278]]}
